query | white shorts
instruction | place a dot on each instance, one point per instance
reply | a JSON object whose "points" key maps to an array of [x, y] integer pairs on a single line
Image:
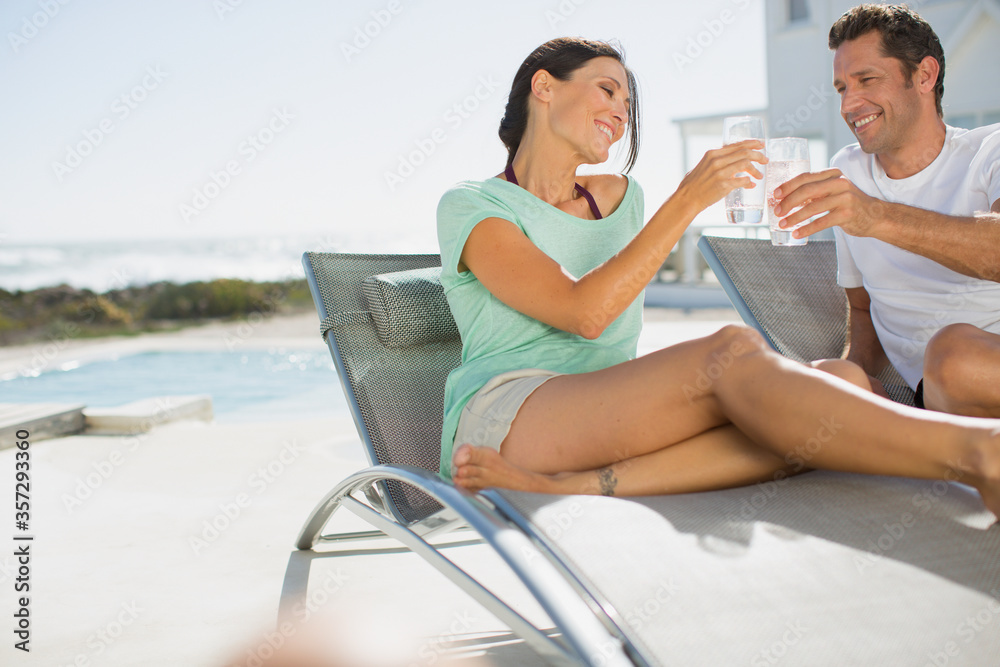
{"points": [[486, 418]]}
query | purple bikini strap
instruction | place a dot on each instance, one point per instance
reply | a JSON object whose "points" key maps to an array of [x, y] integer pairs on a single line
{"points": [[509, 173], [590, 200]]}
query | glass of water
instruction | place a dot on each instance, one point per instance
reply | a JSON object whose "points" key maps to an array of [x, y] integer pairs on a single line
{"points": [[744, 205], [787, 158]]}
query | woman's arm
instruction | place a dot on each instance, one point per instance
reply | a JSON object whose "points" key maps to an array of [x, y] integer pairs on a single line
{"points": [[515, 271]]}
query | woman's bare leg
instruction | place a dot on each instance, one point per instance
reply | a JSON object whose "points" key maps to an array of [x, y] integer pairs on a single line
{"points": [[587, 422], [720, 458], [717, 459]]}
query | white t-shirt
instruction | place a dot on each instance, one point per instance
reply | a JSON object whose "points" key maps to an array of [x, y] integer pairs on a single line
{"points": [[912, 296]]}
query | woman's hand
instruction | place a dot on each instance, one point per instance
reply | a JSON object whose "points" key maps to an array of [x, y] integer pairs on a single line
{"points": [[717, 174]]}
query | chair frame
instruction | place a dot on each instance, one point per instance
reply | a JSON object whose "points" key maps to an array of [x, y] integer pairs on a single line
{"points": [[587, 633], [589, 608]]}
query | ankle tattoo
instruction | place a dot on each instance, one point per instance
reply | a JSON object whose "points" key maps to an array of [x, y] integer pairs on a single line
{"points": [[608, 481]]}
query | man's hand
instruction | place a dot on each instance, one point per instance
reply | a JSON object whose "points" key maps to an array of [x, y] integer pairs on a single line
{"points": [[831, 193], [965, 244]]}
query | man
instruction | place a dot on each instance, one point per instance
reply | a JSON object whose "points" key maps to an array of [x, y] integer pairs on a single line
{"points": [[917, 209]]}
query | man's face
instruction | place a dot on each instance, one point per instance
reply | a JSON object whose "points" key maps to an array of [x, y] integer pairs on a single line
{"points": [[878, 100]]}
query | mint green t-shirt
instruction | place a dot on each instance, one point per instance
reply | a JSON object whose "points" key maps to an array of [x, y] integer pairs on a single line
{"points": [[496, 338]]}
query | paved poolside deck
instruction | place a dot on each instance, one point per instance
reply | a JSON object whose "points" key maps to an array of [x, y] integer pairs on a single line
{"points": [[176, 546]]}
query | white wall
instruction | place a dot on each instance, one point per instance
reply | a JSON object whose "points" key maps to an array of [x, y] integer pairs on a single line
{"points": [[801, 100], [973, 70]]}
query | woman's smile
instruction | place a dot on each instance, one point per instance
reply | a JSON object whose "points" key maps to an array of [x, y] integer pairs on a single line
{"points": [[606, 130]]}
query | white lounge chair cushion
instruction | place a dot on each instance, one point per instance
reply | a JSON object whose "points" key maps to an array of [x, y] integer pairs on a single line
{"points": [[823, 569]]}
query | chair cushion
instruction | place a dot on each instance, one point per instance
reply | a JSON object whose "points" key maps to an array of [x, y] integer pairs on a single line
{"points": [[409, 307]]}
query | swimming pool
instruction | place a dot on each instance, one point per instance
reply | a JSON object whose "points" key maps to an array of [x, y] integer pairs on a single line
{"points": [[276, 384]]}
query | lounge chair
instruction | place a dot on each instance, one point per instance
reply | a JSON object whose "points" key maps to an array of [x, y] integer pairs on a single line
{"points": [[791, 296], [823, 568]]}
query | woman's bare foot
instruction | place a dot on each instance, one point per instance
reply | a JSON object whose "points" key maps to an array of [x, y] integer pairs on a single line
{"points": [[478, 468]]}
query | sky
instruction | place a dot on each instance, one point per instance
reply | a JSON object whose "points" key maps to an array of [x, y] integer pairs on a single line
{"points": [[346, 120]]}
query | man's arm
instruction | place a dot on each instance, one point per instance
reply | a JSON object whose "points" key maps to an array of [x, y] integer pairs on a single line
{"points": [[968, 245], [863, 345]]}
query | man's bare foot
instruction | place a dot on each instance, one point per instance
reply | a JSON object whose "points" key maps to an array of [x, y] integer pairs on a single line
{"points": [[478, 468]]}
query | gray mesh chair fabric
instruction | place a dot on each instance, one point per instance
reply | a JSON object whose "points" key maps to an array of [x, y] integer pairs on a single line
{"points": [[409, 308], [396, 393], [394, 343], [790, 295]]}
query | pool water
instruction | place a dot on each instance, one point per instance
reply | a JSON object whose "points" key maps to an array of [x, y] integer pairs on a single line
{"points": [[254, 385]]}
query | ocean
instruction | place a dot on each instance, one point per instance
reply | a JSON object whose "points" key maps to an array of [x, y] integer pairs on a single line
{"points": [[106, 265]]}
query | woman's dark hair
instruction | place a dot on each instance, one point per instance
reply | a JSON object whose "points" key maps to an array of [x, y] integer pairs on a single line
{"points": [[560, 58], [905, 36]]}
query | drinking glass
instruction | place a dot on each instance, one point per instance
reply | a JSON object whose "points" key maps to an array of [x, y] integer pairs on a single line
{"points": [[787, 157], [744, 205]]}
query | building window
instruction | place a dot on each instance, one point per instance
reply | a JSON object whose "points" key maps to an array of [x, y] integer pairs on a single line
{"points": [[798, 11]]}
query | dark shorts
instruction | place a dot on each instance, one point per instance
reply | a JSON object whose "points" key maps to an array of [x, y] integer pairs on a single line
{"points": [[918, 395]]}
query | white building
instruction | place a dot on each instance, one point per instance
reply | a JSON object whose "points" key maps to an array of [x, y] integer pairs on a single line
{"points": [[801, 98]]}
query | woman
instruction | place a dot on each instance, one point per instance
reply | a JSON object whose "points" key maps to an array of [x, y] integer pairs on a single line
{"points": [[544, 272]]}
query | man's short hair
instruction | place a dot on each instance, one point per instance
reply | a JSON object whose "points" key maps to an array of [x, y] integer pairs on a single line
{"points": [[905, 36]]}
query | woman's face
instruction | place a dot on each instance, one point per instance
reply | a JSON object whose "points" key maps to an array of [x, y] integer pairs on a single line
{"points": [[590, 109]]}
